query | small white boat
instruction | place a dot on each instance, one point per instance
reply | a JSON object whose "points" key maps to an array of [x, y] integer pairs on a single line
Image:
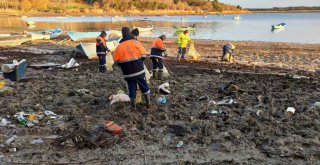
{"points": [[144, 29], [53, 33], [118, 19], [279, 26], [237, 17], [76, 36], [62, 17], [31, 23], [183, 19], [5, 35]]}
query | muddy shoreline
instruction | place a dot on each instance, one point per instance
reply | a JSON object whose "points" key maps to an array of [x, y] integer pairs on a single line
{"points": [[256, 130]]}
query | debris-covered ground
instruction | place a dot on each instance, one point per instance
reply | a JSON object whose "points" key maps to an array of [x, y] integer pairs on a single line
{"points": [[256, 129]]}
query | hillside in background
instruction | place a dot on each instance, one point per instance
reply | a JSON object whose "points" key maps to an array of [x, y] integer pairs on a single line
{"points": [[118, 6], [286, 9]]}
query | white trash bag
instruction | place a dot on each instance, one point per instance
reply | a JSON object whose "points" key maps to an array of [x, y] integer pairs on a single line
{"points": [[109, 61], [119, 97], [148, 75]]}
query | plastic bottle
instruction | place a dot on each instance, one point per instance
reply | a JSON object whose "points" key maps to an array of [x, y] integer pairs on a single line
{"points": [[22, 120], [10, 140], [162, 100]]}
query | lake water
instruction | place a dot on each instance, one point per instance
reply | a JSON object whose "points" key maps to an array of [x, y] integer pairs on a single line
{"points": [[301, 27]]}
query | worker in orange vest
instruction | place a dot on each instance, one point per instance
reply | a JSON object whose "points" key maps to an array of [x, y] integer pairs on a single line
{"points": [[156, 56], [129, 55], [102, 49]]}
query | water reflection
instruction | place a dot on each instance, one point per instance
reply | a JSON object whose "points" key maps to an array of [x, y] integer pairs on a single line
{"points": [[255, 27]]}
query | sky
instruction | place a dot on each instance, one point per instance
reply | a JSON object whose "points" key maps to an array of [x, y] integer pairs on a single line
{"points": [[271, 3]]}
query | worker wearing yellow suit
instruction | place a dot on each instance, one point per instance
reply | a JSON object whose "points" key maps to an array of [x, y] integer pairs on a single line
{"points": [[228, 53], [183, 40]]}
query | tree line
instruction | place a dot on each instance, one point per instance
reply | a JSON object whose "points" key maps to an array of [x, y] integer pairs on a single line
{"points": [[116, 5]]}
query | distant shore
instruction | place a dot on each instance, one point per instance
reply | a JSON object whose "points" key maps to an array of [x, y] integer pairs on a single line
{"points": [[113, 13], [286, 10]]}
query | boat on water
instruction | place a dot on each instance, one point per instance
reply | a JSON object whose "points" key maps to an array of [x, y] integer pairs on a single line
{"points": [[118, 19], [189, 28], [76, 36], [62, 17], [53, 33], [89, 49], [5, 35], [31, 23], [237, 17], [144, 29], [279, 26], [183, 19]]}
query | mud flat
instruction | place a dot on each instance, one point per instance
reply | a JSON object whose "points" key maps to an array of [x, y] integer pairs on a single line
{"points": [[256, 130]]}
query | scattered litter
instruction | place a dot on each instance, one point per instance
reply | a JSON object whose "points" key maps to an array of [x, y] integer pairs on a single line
{"points": [[50, 114], [37, 141], [162, 100], [227, 102], [2, 157], [6, 91], [300, 77], [83, 91], [164, 89], [10, 140], [31, 119], [3, 58], [22, 120], [119, 97], [316, 104], [259, 112], [213, 112], [46, 65], [217, 71], [180, 144], [228, 89], [203, 98], [13, 150], [113, 127], [290, 110], [72, 63], [4, 122]]}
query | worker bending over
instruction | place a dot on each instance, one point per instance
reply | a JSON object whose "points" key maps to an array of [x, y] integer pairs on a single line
{"points": [[183, 40], [228, 53], [129, 55], [156, 56], [102, 49]]}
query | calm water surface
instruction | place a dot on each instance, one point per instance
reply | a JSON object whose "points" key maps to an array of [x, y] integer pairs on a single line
{"points": [[301, 27]]}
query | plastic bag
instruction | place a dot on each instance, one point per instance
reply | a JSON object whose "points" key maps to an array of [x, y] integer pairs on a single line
{"points": [[148, 75], [193, 53], [109, 61], [165, 72], [112, 45], [119, 97]]}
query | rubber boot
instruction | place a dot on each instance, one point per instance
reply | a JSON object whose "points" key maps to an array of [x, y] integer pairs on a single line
{"points": [[154, 74], [133, 104], [102, 68], [160, 75], [178, 57], [147, 100]]}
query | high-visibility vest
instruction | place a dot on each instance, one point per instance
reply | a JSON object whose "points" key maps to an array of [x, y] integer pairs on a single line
{"points": [[157, 47], [183, 40], [128, 55], [101, 46]]}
